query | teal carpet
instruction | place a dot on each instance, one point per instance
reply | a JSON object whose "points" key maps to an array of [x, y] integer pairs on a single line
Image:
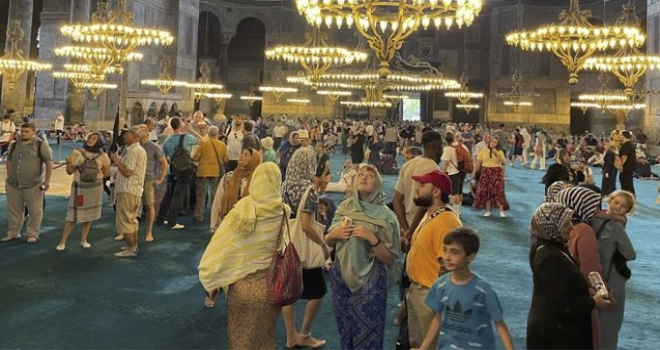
{"points": [[88, 299]]}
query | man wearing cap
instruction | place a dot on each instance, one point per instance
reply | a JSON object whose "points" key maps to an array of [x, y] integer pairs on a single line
{"points": [[424, 261], [403, 203], [129, 184]]}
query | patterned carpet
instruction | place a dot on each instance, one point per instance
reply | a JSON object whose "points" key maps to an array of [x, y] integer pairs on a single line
{"points": [[90, 299]]}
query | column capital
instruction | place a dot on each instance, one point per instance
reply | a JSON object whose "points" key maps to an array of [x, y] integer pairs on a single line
{"points": [[226, 37]]}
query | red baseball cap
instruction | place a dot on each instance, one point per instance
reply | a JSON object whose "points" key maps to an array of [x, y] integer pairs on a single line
{"points": [[438, 178]]}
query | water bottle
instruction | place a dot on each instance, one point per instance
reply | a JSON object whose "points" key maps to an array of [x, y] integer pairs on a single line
{"points": [[597, 283]]}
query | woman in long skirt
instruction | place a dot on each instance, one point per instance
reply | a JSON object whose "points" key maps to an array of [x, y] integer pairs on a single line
{"points": [[86, 198], [491, 184]]}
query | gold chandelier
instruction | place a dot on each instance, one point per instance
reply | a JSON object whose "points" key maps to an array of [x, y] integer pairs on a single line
{"points": [[386, 24], [315, 55], [114, 30], [574, 39], [203, 86], [252, 96], [99, 59], [367, 103], [79, 79], [13, 64], [334, 94], [96, 88], [298, 100], [516, 95], [164, 83], [278, 91], [629, 63], [463, 95]]}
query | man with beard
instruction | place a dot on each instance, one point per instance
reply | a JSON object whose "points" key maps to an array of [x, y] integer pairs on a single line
{"points": [[424, 264]]}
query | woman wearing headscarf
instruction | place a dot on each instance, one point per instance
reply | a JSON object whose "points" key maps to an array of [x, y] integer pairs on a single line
{"points": [[560, 314], [238, 258], [364, 249], [234, 185], [86, 198], [300, 178], [554, 189], [491, 162], [583, 244]]}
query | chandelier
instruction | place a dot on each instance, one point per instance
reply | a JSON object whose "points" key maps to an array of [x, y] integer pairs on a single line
{"points": [[79, 79], [218, 97], [334, 94], [86, 68], [251, 97], [574, 39], [315, 55], [367, 103], [516, 95], [278, 91], [99, 59], [114, 30], [386, 24], [629, 63], [13, 64], [298, 100], [164, 83], [203, 86], [463, 95], [97, 88]]}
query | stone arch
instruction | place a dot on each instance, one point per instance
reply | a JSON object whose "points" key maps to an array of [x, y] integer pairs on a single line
{"points": [[164, 109], [249, 43], [262, 16], [153, 110], [174, 109], [209, 34], [137, 113]]}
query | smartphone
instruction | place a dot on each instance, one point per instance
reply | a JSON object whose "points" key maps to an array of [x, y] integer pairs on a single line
{"points": [[346, 221]]}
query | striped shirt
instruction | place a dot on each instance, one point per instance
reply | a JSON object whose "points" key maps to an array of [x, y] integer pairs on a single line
{"points": [[135, 159]]}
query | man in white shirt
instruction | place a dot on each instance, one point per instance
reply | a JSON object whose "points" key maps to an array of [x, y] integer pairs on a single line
{"points": [[234, 143], [7, 132], [278, 134], [481, 145], [406, 211], [59, 126]]}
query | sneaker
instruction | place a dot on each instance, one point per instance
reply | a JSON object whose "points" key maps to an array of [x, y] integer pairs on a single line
{"points": [[10, 238], [502, 215], [85, 245], [60, 247], [487, 213], [178, 227], [126, 253]]}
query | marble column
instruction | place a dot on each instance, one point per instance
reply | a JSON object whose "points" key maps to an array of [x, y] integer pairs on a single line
{"points": [[15, 98], [50, 94], [75, 100]]}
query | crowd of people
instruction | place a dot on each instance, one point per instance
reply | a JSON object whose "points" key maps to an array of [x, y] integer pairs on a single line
{"points": [[252, 181]]}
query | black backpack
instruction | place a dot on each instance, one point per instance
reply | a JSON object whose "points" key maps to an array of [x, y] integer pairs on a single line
{"points": [[89, 170], [181, 162]]}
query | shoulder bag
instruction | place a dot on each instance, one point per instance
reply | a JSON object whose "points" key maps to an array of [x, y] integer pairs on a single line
{"points": [[311, 254], [285, 284]]}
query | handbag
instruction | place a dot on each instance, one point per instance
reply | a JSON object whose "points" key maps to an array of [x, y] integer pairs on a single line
{"points": [[285, 284], [311, 254]]}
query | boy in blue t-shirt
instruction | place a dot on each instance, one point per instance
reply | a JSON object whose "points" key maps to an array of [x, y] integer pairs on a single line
{"points": [[464, 303]]}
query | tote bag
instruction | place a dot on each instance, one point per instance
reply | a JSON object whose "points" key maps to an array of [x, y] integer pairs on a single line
{"points": [[311, 254], [285, 284]]}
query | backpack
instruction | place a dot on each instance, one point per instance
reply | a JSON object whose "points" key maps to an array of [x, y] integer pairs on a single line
{"points": [[89, 170], [464, 160], [181, 162], [38, 143]]}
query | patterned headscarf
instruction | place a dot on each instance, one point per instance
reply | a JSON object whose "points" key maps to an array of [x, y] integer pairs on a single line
{"points": [[556, 187], [549, 220], [299, 175], [585, 202]]}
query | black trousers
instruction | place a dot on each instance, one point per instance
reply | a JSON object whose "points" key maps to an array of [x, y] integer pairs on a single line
{"points": [[173, 200], [626, 179]]}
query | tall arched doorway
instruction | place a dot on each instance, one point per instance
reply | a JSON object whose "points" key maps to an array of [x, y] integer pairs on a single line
{"points": [[137, 114], [246, 63]]}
